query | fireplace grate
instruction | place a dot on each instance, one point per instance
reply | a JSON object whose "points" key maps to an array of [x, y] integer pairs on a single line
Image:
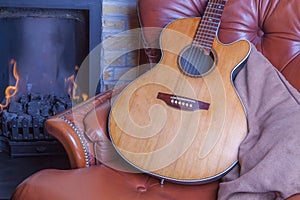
{"points": [[23, 121], [25, 130]]}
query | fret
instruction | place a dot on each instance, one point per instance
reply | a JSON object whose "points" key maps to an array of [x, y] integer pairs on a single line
{"points": [[218, 6], [211, 22], [206, 39], [207, 46], [215, 13], [210, 18], [219, 2], [210, 26], [214, 24], [215, 5], [207, 29], [206, 33], [215, 8], [203, 45]]}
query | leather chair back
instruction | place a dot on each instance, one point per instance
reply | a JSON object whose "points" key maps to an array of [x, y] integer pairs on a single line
{"points": [[272, 26]]}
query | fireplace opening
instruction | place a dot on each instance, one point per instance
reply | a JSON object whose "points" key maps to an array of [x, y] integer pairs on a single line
{"points": [[41, 50], [47, 44]]}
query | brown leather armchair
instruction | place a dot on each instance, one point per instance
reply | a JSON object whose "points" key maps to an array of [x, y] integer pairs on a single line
{"points": [[272, 26]]}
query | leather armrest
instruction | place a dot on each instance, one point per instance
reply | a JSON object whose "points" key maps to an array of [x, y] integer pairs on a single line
{"points": [[71, 128]]}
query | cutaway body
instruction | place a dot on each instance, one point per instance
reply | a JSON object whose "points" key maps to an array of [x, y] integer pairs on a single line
{"points": [[153, 125]]}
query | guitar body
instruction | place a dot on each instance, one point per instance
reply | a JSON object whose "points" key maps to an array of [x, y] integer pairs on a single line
{"points": [[181, 125]]}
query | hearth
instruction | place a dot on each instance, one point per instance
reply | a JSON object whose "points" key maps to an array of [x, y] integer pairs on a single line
{"points": [[42, 46]]}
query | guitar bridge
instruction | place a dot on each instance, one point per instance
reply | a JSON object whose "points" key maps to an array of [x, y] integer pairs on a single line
{"points": [[182, 103]]}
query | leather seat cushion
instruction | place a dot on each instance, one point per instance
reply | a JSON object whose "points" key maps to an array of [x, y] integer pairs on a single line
{"points": [[96, 183]]}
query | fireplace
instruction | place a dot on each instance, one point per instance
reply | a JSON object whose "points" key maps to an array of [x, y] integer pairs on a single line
{"points": [[42, 47]]}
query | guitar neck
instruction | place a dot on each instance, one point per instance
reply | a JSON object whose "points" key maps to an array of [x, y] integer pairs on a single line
{"points": [[209, 24]]}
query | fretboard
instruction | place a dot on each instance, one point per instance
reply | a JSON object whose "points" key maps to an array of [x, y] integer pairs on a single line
{"points": [[209, 24]]}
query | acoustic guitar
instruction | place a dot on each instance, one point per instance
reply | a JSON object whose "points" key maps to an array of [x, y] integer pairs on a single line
{"points": [[183, 120]]}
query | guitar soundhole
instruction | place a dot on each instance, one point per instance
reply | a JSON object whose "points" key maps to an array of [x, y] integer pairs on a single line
{"points": [[194, 62]]}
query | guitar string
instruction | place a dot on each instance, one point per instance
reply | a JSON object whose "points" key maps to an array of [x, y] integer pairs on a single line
{"points": [[204, 28], [211, 25], [189, 55], [204, 35], [208, 24], [196, 90], [198, 40], [190, 60]]}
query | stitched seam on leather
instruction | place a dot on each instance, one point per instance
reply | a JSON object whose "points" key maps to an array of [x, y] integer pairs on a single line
{"points": [[82, 140]]}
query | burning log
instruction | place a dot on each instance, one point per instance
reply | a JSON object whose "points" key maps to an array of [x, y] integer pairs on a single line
{"points": [[24, 119], [15, 107]]}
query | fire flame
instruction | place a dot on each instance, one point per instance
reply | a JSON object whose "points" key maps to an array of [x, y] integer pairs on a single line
{"points": [[72, 88], [11, 91]]}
